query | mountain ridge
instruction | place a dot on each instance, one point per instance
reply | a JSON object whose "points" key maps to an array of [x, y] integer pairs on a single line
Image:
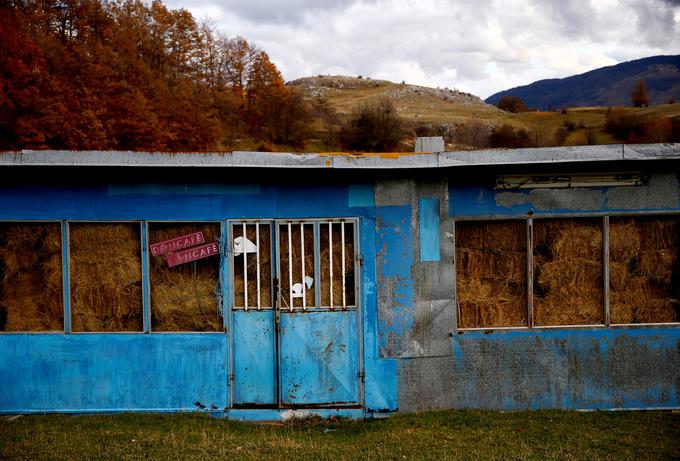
{"points": [[605, 86]]}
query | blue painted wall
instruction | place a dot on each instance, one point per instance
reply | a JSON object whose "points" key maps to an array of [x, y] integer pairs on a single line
{"points": [[564, 368], [115, 372], [112, 372], [596, 368]]}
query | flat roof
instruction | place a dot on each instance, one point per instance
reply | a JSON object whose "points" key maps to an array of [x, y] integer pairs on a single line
{"points": [[340, 160]]}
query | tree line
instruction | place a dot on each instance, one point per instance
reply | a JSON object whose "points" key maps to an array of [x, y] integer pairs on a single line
{"points": [[125, 74]]}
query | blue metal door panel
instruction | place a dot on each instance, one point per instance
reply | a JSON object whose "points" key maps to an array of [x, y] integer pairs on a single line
{"points": [[254, 359], [319, 358]]}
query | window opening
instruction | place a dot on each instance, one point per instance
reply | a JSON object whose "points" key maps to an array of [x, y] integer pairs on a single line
{"points": [[106, 277], [296, 253], [491, 274], [568, 272], [644, 269], [185, 297], [252, 265], [31, 282]]}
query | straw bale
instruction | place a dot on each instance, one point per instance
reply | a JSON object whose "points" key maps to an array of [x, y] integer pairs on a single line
{"points": [[106, 277], [485, 303], [185, 297], [658, 265], [644, 301], [491, 274], [619, 276], [658, 233], [624, 240], [336, 250], [568, 272], [31, 277], [265, 268], [501, 235], [643, 286]]}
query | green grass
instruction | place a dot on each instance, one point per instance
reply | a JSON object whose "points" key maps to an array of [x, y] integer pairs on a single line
{"points": [[432, 435]]}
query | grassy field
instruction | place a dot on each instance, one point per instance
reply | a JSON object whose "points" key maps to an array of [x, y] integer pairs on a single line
{"points": [[433, 435]]}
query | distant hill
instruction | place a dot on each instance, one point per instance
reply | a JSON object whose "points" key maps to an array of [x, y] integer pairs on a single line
{"points": [[606, 86], [413, 102]]}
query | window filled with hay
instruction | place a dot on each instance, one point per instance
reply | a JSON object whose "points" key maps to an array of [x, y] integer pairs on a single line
{"points": [[644, 280], [252, 265], [106, 277], [31, 282], [491, 274], [186, 297], [568, 272]]}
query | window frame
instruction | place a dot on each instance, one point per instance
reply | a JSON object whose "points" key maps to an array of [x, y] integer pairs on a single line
{"points": [[64, 276], [605, 217], [143, 240], [147, 276]]}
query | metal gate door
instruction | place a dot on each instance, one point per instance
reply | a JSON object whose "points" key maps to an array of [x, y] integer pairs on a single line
{"points": [[305, 350]]}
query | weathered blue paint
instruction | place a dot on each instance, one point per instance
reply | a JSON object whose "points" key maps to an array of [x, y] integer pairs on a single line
{"points": [[254, 357], [380, 382], [429, 229], [184, 189], [360, 195], [319, 358], [146, 300], [112, 372], [65, 276], [394, 246], [593, 368], [478, 198]]}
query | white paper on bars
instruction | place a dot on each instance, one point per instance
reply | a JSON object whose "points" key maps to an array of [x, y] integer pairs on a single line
{"points": [[243, 245], [297, 287]]}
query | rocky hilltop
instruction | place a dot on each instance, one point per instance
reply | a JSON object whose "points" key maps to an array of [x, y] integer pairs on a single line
{"points": [[334, 85]]}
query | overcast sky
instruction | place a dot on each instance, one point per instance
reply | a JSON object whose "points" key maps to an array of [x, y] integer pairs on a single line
{"points": [[478, 46]]}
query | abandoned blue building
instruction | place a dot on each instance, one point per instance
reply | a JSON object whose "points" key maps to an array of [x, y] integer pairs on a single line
{"points": [[265, 285]]}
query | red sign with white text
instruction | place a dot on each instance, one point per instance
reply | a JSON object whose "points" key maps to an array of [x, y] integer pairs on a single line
{"points": [[192, 254], [176, 244]]}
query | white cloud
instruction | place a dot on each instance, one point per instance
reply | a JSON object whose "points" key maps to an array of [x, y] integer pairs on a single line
{"points": [[480, 46]]}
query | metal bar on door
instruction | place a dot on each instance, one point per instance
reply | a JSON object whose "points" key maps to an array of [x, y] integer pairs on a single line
{"points": [[342, 247], [245, 268], [257, 252], [330, 264], [290, 267], [302, 264]]}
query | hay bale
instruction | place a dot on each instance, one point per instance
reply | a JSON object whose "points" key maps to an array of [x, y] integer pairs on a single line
{"points": [[491, 274], [31, 280], [185, 297], [658, 265], [619, 276], [642, 281], [624, 240], [568, 272], [106, 277]]}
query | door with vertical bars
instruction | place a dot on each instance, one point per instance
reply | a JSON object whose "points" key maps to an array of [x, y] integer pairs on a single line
{"points": [[296, 336]]}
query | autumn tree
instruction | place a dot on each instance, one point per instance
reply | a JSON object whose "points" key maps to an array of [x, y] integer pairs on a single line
{"points": [[639, 95], [128, 74]]}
